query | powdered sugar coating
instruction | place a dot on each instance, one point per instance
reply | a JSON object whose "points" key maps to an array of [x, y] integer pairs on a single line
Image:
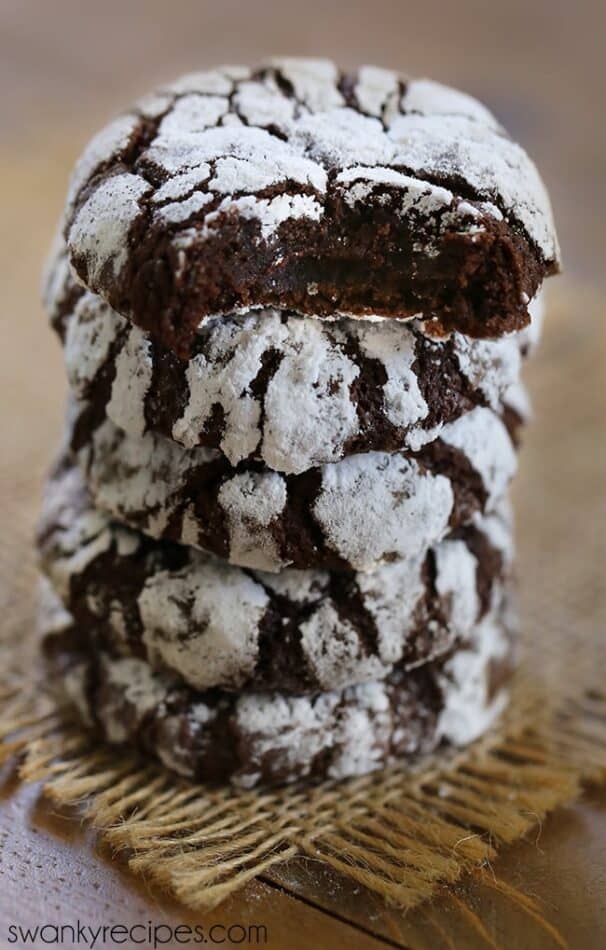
{"points": [[252, 502], [484, 440], [132, 381], [469, 709], [89, 338], [101, 226], [129, 474], [264, 104], [426, 97], [285, 144], [130, 686], [82, 538], [377, 90], [495, 167], [111, 141], [455, 569], [217, 625], [417, 196], [494, 366], [289, 391], [51, 609], [298, 731], [203, 624], [314, 81], [335, 651], [377, 507], [267, 737], [308, 412], [358, 513], [396, 351]]}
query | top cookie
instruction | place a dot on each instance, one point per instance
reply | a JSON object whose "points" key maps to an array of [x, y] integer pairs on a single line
{"points": [[298, 186]]}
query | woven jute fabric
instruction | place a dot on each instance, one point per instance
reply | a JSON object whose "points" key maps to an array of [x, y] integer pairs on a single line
{"points": [[399, 834]]}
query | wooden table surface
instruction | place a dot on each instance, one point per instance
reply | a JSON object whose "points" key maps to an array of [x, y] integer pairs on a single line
{"points": [[63, 67]]}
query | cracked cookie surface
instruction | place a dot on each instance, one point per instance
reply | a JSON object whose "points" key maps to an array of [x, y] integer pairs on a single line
{"points": [[366, 510], [280, 388], [267, 737], [216, 625], [299, 186]]}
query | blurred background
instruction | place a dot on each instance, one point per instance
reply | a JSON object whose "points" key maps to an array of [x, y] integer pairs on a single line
{"points": [[67, 66]]}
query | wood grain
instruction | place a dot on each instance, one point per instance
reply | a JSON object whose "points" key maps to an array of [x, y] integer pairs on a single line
{"points": [[65, 65], [52, 873]]}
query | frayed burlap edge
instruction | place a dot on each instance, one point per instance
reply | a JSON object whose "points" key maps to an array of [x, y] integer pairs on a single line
{"points": [[403, 836], [399, 835]]}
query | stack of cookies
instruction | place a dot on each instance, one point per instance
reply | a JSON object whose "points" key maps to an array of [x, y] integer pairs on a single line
{"points": [[294, 304]]}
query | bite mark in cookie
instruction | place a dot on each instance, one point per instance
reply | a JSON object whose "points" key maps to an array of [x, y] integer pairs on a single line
{"points": [[280, 388], [283, 190]]}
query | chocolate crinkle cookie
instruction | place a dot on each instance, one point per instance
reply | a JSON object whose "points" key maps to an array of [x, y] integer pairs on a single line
{"points": [[268, 737], [301, 187], [367, 510], [280, 388], [294, 305], [216, 625]]}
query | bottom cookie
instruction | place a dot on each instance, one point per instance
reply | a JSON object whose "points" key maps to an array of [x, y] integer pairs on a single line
{"points": [[269, 738]]}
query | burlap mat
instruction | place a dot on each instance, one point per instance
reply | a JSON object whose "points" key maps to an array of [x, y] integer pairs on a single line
{"points": [[400, 835]]}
